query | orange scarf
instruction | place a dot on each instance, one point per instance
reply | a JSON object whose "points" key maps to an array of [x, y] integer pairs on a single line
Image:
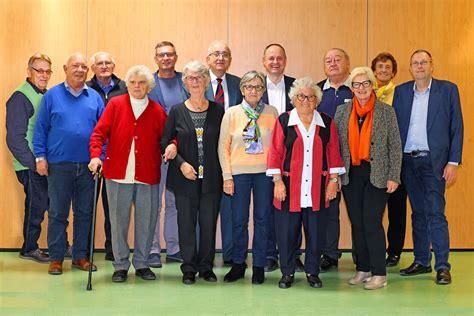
{"points": [[359, 142]]}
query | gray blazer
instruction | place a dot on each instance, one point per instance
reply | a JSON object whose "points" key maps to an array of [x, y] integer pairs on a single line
{"points": [[385, 147]]}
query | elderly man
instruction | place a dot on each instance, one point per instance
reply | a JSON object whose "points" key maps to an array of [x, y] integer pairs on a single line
{"points": [[107, 86], [336, 91], [276, 94], [22, 112], [68, 114], [224, 90], [431, 129], [168, 92]]}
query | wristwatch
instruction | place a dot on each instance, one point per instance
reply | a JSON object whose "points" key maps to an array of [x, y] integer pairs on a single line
{"points": [[334, 180], [276, 178]]}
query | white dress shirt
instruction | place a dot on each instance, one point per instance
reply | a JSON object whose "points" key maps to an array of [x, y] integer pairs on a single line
{"points": [[224, 86]]}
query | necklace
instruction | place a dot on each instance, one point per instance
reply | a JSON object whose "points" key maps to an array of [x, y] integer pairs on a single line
{"points": [[197, 107]]}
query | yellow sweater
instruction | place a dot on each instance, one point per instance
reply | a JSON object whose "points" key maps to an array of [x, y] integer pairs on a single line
{"points": [[233, 158]]}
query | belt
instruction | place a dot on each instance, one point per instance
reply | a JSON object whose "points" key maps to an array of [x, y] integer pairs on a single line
{"points": [[418, 153]]}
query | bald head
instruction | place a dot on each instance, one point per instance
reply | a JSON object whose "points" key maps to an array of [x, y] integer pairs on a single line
{"points": [[219, 57]]}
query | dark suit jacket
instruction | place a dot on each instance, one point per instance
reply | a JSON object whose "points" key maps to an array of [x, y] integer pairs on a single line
{"points": [[288, 83], [233, 83], [180, 126], [444, 126], [157, 96]]}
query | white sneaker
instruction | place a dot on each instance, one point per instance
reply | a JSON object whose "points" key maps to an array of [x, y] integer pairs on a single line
{"points": [[360, 277], [376, 282]]}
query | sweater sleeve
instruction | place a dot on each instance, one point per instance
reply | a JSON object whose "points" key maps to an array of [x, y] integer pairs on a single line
{"points": [[224, 147], [101, 132], [42, 127], [276, 152], [335, 163]]}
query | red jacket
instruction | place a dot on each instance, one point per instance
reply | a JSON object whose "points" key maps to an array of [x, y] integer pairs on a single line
{"points": [[117, 127]]}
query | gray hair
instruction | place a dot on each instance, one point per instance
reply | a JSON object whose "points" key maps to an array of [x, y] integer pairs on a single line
{"points": [[94, 57], [346, 55], [199, 68], [250, 75], [141, 71], [74, 55], [357, 71], [305, 82]]}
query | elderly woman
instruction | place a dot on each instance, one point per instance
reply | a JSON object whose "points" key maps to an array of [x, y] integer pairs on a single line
{"points": [[384, 67], [195, 174], [131, 126], [243, 148], [371, 151], [305, 163]]}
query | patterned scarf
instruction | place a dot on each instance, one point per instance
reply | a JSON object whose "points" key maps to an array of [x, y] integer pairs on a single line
{"points": [[251, 132]]}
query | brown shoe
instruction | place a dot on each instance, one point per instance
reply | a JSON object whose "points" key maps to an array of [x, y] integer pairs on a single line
{"points": [[55, 267], [83, 264]]}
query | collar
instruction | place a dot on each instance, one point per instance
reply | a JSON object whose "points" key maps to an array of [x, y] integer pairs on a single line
{"points": [[295, 119], [84, 88], [110, 85], [327, 84], [427, 90], [138, 102], [37, 90], [214, 77], [280, 84]]}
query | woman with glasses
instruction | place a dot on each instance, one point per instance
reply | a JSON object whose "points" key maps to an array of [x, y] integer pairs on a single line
{"points": [[305, 163], [194, 175], [246, 131], [372, 155]]}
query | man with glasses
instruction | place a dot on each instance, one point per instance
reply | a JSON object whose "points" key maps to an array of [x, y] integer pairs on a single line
{"points": [[224, 90], [107, 86], [336, 91], [67, 116], [22, 112], [169, 91], [431, 129]]}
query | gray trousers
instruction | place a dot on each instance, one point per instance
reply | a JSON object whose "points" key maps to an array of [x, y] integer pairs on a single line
{"points": [[146, 199], [170, 229]]}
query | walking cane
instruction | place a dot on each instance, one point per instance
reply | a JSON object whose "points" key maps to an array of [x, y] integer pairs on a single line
{"points": [[94, 211]]}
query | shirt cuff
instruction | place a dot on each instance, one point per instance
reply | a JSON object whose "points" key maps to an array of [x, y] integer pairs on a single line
{"points": [[340, 170], [271, 172], [453, 163]]}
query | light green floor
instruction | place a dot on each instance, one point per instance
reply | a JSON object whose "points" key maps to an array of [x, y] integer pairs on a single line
{"points": [[26, 288]]}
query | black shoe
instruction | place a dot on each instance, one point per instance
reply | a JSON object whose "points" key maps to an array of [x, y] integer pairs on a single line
{"points": [[36, 255], [299, 265], [258, 276], [286, 281], [236, 272], [414, 269], [392, 261], [145, 274], [119, 276], [208, 276], [228, 263], [109, 256], [327, 263], [314, 280], [189, 278], [271, 264], [443, 277]]}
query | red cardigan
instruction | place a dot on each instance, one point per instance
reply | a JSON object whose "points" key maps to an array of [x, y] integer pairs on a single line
{"points": [[117, 127], [278, 154]]}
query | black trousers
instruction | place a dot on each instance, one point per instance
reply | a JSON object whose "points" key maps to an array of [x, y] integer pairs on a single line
{"points": [[397, 221], [365, 206], [288, 231], [105, 205], [204, 210]]}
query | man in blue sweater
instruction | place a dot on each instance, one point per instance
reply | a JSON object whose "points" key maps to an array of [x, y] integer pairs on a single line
{"points": [[67, 116]]}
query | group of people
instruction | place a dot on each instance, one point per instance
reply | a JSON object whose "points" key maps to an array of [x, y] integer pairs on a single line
{"points": [[207, 141]]}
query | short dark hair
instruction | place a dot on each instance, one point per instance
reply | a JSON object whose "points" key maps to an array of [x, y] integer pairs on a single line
{"points": [[274, 44], [421, 51], [383, 57], [163, 44]]}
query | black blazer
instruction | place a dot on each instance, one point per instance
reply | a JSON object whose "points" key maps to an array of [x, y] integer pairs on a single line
{"points": [[180, 126], [288, 83]]}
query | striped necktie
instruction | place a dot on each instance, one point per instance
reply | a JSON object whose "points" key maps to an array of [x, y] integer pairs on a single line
{"points": [[219, 98]]}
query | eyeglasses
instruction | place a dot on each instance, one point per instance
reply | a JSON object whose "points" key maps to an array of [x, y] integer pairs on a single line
{"points": [[140, 83], [302, 97], [194, 79], [224, 55], [250, 87], [166, 54], [365, 84], [43, 71], [422, 63], [104, 63]]}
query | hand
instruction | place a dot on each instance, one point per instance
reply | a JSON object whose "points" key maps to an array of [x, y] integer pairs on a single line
{"points": [[188, 171], [42, 167], [331, 191], [94, 164], [280, 191], [391, 186], [450, 173], [229, 186], [170, 152]]}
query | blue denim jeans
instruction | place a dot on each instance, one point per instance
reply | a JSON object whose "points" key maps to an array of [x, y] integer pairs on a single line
{"points": [[69, 183], [36, 203], [262, 188]]}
